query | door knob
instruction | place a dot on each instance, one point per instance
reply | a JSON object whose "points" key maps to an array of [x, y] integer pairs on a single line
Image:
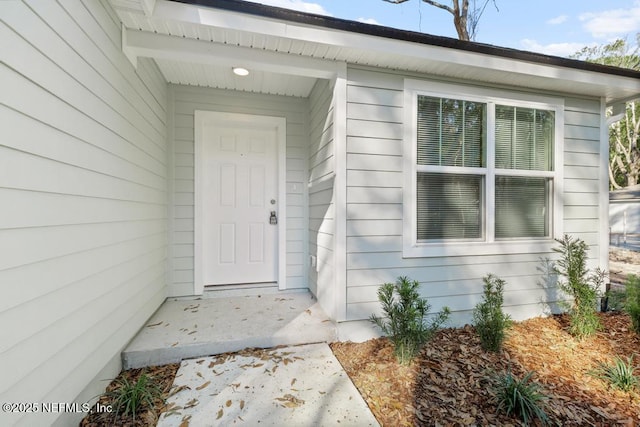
{"points": [[273, 219]]}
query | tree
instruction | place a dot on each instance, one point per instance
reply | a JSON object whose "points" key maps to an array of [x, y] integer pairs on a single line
{"points": [[624, 135], [465, 21]]}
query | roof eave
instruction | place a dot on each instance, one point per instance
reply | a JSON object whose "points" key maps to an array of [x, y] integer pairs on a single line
{"points": [[278, 13]]}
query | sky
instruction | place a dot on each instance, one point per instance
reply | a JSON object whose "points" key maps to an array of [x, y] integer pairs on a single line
{"points": [[552, 27]]}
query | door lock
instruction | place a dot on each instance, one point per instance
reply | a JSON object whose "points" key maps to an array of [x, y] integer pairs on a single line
{"points": [[273, 219]]}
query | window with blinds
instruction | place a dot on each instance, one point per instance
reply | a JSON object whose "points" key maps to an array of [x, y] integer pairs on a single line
{"points": [[452, 172], [524, 138], [451, 134], [449, 206], [522, 207]]}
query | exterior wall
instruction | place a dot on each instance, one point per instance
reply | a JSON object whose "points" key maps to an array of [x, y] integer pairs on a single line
{"points": [[624, 213], [321, 193], [375, 213], [83, 222], [183, 101]]}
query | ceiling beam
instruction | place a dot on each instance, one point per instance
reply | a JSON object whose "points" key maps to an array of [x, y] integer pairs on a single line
{"points": [[159, 46]]}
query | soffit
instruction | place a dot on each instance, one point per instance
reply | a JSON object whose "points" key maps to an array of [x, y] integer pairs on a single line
{"points": [[263, 34]]}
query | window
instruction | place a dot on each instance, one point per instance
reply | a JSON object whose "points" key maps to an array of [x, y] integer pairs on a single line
{"points": [[481, 171], [451, 168]]}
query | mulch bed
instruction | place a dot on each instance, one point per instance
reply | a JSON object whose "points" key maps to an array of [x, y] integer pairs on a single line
{"points": [[162, 376], [449, 384]]}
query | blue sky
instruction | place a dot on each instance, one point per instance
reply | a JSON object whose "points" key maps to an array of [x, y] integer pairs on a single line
{"points": [[554, 27]]}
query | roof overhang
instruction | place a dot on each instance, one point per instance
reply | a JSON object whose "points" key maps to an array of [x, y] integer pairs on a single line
{"points": [[218, 34]]}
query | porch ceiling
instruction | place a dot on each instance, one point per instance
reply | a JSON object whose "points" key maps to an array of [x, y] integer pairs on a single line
{"points": [[222, 77], [289, 55]]}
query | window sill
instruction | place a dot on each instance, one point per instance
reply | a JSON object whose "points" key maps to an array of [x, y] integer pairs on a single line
{"points": [[426, 250]]}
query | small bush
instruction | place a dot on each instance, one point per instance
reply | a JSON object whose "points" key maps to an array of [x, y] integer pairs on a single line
{"points": [[130, 397], [522, 398], [580, 285], [405, 322], [615, 300], [489, 319], [619, 375], [632, 302]]}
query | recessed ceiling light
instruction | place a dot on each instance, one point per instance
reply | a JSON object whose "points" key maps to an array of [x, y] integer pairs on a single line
{"points": [[239, 71]]}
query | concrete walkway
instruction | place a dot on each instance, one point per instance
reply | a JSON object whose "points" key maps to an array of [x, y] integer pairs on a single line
{"points": [[286, 386]]}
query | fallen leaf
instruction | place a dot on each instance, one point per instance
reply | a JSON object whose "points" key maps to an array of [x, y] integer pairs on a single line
{"points": [[220, 414], [200, 387], [190, 404]]}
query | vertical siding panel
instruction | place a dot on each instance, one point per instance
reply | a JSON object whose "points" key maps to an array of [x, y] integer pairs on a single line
{"points": [[83, 232]]}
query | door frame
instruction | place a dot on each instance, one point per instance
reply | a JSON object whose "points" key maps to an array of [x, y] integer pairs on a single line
{"points": [[202, 117]]}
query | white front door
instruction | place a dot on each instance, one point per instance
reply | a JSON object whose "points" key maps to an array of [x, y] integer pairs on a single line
{"points": [[239, 196]]}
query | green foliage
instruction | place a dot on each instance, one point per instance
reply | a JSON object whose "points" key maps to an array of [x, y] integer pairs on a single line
{"points": [[522, 398], [405, 322], [129, 397], [615, 300], [489, 319], [618, 53], [632, 303], [580, 285], [624, 149], [619, 375]]}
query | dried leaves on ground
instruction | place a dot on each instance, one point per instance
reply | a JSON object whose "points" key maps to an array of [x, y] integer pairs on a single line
{"points": [[162, 376], [449, 383]]}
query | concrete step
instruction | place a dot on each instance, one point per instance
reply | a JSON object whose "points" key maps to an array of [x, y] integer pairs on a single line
{"points": [[183, 329]]}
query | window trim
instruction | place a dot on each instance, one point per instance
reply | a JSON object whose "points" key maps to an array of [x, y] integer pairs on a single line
{"points": [[412, 248]]}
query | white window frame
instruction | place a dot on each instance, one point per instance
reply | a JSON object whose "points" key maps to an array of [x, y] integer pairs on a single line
{"points": [[488, 244]]}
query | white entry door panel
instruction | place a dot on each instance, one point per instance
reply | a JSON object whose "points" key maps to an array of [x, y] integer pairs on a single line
{"points": [[239, 191]]}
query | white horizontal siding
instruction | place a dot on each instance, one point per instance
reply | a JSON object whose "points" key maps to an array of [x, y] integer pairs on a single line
{"points": [[374, 208], [184, 101], [83, 185], [321, 191]]}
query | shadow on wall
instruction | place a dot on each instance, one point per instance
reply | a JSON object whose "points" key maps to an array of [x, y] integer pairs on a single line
{"points": [[549, 283]]}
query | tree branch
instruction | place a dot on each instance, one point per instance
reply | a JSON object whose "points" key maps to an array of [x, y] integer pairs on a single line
{"points": [[440, 5]]}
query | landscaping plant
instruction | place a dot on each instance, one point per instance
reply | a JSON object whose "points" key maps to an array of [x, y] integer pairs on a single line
{"points": [[130, 397], [405, 321], [620, 374], [632, 301], [615, 300], [489, 319], [522, 398], [582, 286]]}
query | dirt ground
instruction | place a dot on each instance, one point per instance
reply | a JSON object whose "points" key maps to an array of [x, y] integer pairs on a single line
{"points": [[623, 262], [449, 383]]}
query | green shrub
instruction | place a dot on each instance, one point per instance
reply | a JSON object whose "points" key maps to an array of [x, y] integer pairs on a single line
{"points": [[405, 322], [580, 285], [632, 303], [522, 398], [489, 319], [615, 300], [130, 397], [619, 375]]}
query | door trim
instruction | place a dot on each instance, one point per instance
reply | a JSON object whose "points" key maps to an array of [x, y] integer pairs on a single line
{"points": [[246, 120]]}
